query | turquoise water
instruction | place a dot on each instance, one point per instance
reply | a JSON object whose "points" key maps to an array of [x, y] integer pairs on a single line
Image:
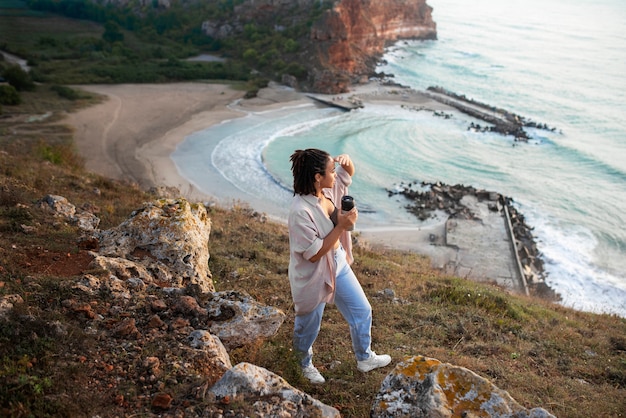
{"points": [[553, 61]]}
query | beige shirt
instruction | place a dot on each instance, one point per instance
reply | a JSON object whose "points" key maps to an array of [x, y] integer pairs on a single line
{"points": [[314, 282]]}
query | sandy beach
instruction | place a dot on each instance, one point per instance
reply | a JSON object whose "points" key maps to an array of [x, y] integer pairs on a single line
{"points": [[131, 135]]}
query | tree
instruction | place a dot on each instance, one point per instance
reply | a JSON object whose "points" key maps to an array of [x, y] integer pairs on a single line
{"points": [[112, 33], [250, 55], [291, 45]]}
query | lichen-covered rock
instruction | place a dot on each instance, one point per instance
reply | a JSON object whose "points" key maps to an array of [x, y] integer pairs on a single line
{"points": [[261, 393], [169, 238], [238, 320], [424, 387]]}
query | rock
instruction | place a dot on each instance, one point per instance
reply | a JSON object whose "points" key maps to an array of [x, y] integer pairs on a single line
{"points": [[169, 238], [238, 320], [424, 387], [7, 302], [86, 221], [125, 269], [188, 306], [58, 205], [89, 284], [265, 394], [127, 328], [162, 401], [208, 355]]}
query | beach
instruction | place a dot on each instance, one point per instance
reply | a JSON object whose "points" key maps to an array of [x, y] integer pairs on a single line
{"points": [[131, 135]]}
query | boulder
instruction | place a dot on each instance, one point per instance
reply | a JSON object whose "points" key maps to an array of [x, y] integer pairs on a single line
{"points": [[238, 320], [167, 236], [265, 394], [208, 355], [424, 387], [60, 207]]}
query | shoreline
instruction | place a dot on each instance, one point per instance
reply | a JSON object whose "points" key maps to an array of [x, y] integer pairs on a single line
{"points": [[131, 136]]}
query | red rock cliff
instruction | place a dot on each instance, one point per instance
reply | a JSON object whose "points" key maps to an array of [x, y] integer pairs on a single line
{"points": [[348, 40]]}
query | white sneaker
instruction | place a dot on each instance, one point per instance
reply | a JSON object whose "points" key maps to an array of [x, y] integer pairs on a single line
{"points": [[373, 362], [313, 375]]}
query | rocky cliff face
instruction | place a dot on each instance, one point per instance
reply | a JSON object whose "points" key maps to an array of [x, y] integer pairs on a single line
{"points": [[346, 41], [349, 38]]}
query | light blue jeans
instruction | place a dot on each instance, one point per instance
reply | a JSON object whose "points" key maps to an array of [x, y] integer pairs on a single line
{"points": [[353, 305]]}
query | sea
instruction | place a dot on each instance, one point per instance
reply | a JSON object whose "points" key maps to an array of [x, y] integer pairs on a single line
{"points": [[558, 62]]}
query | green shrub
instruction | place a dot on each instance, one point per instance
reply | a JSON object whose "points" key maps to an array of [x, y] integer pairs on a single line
{"points": [[9, 95], [296, 70], [66, 92], [291, 45], [63, 154], [18, 78]]}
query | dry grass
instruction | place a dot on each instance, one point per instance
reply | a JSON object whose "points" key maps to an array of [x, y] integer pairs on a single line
{"points": [[569, 362]]}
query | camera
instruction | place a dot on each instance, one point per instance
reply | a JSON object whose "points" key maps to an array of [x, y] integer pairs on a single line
{"points": [[347, 203]]}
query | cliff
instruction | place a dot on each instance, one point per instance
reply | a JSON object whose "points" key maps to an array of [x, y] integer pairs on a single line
{"points": [[347, 41]]}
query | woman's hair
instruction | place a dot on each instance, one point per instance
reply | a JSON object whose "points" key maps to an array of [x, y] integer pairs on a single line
{"points": [[305, 164]]}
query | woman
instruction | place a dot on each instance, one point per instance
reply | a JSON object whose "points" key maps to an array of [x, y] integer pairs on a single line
{"points": [[320, 256]]}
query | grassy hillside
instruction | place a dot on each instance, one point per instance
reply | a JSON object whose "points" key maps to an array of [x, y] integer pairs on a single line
{"points": [[569, 362]]}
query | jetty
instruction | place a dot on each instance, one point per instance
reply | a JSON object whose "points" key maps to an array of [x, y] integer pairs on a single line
{"points": [[503, 121], [344, 103], [484, 237]]}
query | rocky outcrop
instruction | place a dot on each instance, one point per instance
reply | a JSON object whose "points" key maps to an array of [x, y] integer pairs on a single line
{"points": [[348, 39], [167, 240], [425, 387]]}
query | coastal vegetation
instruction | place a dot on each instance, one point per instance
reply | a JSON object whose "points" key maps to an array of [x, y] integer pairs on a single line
{"points": [[571, 363], [76, 42]]}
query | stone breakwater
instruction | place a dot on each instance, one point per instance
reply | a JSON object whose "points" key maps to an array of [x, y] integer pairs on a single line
{"points": [[502, 121], [427, 198]]}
